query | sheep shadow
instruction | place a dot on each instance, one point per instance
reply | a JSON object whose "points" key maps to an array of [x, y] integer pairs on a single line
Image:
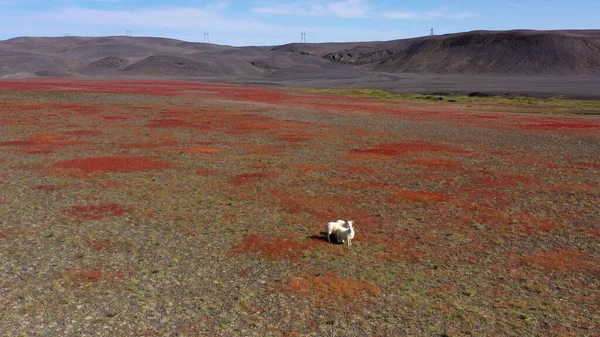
{"points": [[323, 237]]}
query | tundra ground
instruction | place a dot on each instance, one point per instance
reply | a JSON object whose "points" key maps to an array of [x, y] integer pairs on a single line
{"points": [[182, 209]]}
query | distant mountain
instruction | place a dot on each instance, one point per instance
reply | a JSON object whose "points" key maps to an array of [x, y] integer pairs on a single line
{"points": [[148, 57], [388, 64], [518, 52]]}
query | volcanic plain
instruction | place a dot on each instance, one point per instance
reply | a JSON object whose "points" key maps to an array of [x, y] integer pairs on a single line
{"points": [[156, 208]]}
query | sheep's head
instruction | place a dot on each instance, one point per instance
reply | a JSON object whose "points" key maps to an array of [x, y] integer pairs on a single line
{"points": [[350, 224]]}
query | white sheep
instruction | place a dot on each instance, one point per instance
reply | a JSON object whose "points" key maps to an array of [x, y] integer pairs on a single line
{"points": [[332, 226], [342, 231]]}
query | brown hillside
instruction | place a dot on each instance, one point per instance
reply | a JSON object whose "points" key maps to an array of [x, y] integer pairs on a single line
{"points": [[494, 62], [486, 52], [161, 65]]}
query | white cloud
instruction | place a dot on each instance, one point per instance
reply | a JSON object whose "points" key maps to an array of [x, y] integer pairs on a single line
{"points": [[401, 15], [168, 18], [187, 23], [293, 9], [343, 9], [219, 5], [349, 9], [440, 13], [75, 2]]}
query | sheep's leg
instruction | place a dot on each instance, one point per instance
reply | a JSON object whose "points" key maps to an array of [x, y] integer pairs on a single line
{"points": [[349, 242], [328, 237]]}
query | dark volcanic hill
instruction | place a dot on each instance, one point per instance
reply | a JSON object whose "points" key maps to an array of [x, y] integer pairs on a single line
{"points": [[484, 52], [494, 61]]}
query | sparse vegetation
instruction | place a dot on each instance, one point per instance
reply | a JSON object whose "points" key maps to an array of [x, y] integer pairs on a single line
{"points": [[557, 105], [159, 208]]}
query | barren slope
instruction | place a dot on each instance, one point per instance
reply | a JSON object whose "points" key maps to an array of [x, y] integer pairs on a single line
{"points": [[514, 52], [465, 59]]}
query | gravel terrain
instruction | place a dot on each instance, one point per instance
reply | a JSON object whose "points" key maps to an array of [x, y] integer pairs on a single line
{"points": [[185, 209]]}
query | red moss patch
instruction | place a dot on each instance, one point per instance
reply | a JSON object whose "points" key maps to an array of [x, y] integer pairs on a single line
{"points": [[533, 224], [68, 172], [83, 133], [564, 260], [163, 142], [41, 144], [229, 217], [263, 150], [572, 188], [590, 165], [203, 173], [326, 288], [100, 245], [373, 185], [435, 162], [202, 150], [10, 232], [36, 150], [292, 139], [486, 116], [115, 117], [53, 140], [274, 248], [310, 167], [90, 275], [168, 123], [252, 126], [562, 125], [593, 232], [91, 212], [79, 277], [421, 196], [48, 188], [394, 149], [359, 170], [18, 143], [113, 164]]}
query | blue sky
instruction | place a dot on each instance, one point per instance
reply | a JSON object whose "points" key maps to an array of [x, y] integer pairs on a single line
{"points": [[270, 22]]}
